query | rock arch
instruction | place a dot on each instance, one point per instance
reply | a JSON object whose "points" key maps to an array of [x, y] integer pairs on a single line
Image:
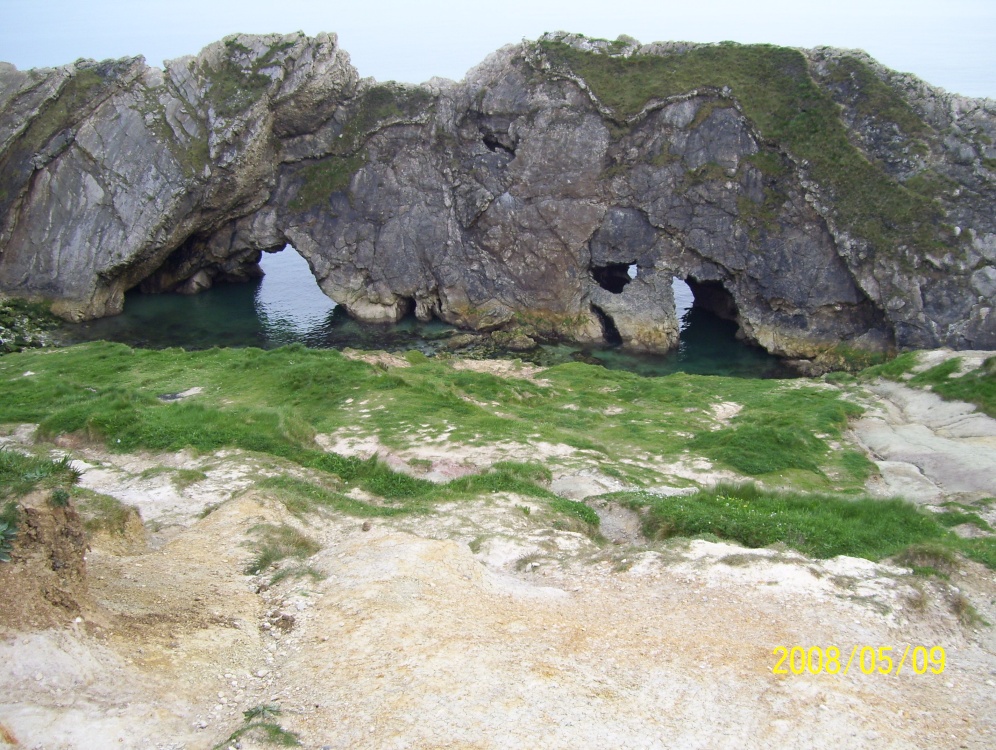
{"points": [[518, 196]]}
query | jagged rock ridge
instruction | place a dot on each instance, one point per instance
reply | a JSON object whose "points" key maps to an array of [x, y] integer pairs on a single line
{"points": [[819, 199]]}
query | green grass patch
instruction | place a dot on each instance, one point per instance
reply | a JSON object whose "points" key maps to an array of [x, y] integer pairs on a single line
{"points": [[259, 724], [296, 572], [819, 526], [575, 509], [234, 88], [784, 430], [275, 402], [874, 98], [976, 387], [380, 104], [982, 550], [300, 497], [952, 518], [322, 178]]}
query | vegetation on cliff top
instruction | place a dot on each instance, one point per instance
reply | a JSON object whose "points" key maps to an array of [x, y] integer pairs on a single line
{"points": [[774, 89]]}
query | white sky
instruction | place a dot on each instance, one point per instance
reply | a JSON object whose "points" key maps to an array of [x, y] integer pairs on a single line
{"points": [[950, 43]]}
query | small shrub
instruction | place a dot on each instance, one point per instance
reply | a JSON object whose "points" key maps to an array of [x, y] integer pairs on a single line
{"points": [[258, 723]]}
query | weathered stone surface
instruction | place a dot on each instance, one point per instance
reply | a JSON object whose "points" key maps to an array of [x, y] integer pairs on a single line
{"points": [[538, 191]]}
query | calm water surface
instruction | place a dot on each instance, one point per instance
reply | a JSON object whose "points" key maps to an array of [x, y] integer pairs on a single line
{"points": [[287, 306]]}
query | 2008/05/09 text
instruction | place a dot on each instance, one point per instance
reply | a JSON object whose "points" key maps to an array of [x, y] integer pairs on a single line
{"points": [[869, 659]]}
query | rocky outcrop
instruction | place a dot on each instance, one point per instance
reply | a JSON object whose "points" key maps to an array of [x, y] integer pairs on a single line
{"points": [[823, 202]]}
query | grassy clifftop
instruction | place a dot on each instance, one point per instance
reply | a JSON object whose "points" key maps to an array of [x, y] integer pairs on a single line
{"points": [[774, 89]]}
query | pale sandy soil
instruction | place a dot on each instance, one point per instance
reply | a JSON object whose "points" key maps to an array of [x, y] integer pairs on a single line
{"points": [[481, 626]]}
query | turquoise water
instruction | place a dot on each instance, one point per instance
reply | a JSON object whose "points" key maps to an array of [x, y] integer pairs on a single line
{"points": [[286, 306]]}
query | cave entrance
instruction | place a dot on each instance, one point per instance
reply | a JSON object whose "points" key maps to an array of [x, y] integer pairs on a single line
{"points": [[614, 277], [713, 297], [706, 312]]}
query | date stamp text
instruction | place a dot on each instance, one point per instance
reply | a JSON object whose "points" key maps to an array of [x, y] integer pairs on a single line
{"points": [[884, 660]]}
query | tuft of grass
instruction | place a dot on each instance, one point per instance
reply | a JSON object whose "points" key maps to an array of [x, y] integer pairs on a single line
{"points": [[964, 610], [578, 510], [278, 543], [59, 498], [476, 543], [20, 473], [183, 478], [209, 509], [817, 525], [298, 571]]}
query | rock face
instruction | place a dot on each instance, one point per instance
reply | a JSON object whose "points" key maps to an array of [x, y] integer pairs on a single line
{"points": [[823, 202]]}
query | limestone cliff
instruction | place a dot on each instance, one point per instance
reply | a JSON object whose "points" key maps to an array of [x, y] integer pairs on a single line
{"points": [[819, 199]]}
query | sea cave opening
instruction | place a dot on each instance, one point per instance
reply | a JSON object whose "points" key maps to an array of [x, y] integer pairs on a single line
{"points": [[613, 277], [705, 308], [713, 297]]}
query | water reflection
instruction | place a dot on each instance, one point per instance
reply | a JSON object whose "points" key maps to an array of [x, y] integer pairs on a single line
{"points": [[289, 303], [287, 306]]}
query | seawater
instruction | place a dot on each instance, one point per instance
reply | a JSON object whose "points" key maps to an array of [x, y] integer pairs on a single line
{"points": [[286, 306]]}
